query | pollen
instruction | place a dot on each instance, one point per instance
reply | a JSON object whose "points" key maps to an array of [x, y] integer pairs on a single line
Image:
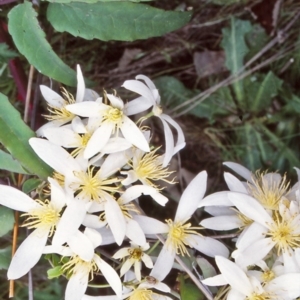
{"points": [[284, 233], [83, 140], [268, 275], [93, 187], [45, 216], [136, 253], [141, 294], [178, 236], [61, 113], [150, 169], [269, 191], [113, 115], [263, 296]]}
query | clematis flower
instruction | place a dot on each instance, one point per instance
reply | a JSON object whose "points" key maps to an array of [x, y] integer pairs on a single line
{"points": [[109, 119], [150, 97], [243, 286], [182, 234], [42, 216]]}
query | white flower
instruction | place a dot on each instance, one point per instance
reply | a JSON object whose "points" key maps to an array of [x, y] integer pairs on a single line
{"points": [[42, 216], [110, 119], [182, 234], [135, 254], [243, 286], [150, 97]]}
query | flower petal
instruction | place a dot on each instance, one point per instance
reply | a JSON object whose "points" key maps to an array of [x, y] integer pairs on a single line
{"points": [[216, 199], [61, 136], [239, 169], [222, 223], [191, 197], [85, 109], [28, 254], [52, 97], [77, 285], [135, 233], [80, 85], [137, 105], [150, 225], [234, 184]]}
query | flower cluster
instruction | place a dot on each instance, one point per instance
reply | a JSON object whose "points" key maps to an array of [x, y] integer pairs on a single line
{"points": [[103, 162]]}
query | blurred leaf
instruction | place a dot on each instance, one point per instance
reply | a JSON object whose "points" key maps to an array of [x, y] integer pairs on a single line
{"points": [[6, 53], [293, 105], [261, 89], [233, 43], [228, 2], [7, 220], [206, 267], [30, 41], [54, 272], [14, 135], [189, 291], [30, 185], [122, 21], [5, 257], [8, 163]]}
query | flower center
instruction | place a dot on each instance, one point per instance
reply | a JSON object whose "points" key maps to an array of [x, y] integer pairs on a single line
{"points": [[178, 236], [284, 233], [269, 190], [76, 265], [136, 253], [150, 168], [46, 216], [268, 276], [82, 144], [114, 115], [141, 294], [264, 296], [92, 187]]}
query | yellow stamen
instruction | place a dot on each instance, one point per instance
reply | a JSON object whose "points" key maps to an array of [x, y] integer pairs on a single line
{"points": [[268, 275], [264, 296], [141, 294], [136, 253], [82, 144]]}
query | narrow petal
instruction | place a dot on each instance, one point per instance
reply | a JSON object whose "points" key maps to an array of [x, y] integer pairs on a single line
{"points": [[234, 275], [58, 196], [163, 264], [85, 109], [115, 220], [76, 286], [61, 136], [51, 124], [110, 275], [207, 245], [234, 184], [169, 142], [69, 222], [94, 236], [80, 86], [286, 284], [78, 125], [135, 233], [52, 97], [134, 135], [115, 101], [150, 225], [93, 221], [113, 163], [222, 223], [28, 254], [180, 135], [137, 105], [98, 140], [148, 81], [191, 197], [15, 199], [216, 199], [239, 169], [217, 280]]}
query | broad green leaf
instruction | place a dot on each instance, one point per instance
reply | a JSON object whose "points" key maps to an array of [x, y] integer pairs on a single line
{"points": [[7, 220], [122, 21], [8, 163], [14, 135], [30, 185], [189, 291], [5, 258], [233, 43], [261, 89], [30, 40]]}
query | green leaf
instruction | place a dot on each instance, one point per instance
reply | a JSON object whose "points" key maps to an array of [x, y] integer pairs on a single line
{"points": [[8, 163], [189, 291], [5, 258], [261, 89], [30, 185], [30, 41], [6, 53], [14, 135], [122, 21], [234, 45], [54, 272], [7, 220]]}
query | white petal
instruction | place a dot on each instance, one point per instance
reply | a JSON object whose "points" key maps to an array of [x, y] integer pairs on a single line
{"points": [[52, 97], [110, 275], [115, 101], [169, 143], [220, 211], [15, 199], [251, 208], [222, 223], [55, 156], [80, 86], [133, 134], [180, 135], [150, 225], [207, 245], [28, 254], [191, 197], [137, 105], [163, 264], [115, 220], [107, 236], [116, 144], [76, 286], [113, 163], [58, 196], [93, 221], [135, 233], [69, 222], [148, 81], [94, 236], [81, 246], [215, 281], [147, 261], [287, 284], [98, 140], [78, 125], [85, 109], [234, 275], [234, 184], [239, 169], [216, 199], [63, 137]]}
